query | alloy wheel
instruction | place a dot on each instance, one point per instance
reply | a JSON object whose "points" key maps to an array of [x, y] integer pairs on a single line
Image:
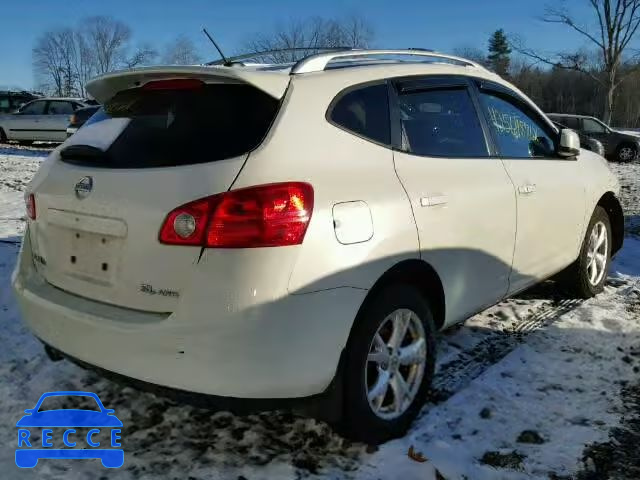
{"points": [[597, 253], [627, 154], [395, 364]]}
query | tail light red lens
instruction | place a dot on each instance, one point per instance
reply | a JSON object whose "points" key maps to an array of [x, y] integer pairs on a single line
{"points": [[30, 202], [271, 215]]}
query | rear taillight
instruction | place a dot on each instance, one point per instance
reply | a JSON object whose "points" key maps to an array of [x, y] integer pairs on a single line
{"points": [[264, 216], [30, 202]]}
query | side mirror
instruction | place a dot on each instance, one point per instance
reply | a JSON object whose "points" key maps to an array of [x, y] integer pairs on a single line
{"points": [[569, 143], [30, 410]]}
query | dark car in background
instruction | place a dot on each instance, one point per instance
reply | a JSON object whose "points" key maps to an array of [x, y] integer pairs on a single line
{"points": [[80, 116], [620, 146], [10, 100]]}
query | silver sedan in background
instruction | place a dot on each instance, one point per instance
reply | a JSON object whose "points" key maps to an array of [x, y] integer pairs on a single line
{"points": [[44, 119]]}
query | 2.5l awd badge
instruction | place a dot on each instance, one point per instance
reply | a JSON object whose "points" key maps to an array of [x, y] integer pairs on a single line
{"points": [[83, 187], [150, 290]]}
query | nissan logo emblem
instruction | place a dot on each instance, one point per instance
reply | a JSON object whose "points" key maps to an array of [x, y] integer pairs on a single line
{"points": [[83, 187]]}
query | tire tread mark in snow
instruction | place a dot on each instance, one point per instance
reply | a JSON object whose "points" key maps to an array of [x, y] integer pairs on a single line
{"points": [[453, 376]]}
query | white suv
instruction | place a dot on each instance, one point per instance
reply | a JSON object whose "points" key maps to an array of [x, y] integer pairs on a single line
{"points": [[301, 233]]}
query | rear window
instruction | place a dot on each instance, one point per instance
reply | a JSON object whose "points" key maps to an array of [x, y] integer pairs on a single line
{"points": [[365, 112], [180, 127]]}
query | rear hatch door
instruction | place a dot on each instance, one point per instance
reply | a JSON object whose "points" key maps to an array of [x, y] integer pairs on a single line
{"points": [[162, 138]]}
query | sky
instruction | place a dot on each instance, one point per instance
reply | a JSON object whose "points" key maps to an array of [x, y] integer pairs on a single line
{"points": [[441, 25]]}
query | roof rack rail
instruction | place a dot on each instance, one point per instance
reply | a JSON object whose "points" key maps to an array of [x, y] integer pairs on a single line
{"points": [[318, 62]]}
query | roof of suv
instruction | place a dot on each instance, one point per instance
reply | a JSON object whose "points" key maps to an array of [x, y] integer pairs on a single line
{"points": [[352, 65], [67, 99]]}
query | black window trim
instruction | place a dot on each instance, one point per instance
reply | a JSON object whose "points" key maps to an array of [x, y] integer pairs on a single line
{"points": [[346, 91], [483, 85], [436, 82], [61, 101]]}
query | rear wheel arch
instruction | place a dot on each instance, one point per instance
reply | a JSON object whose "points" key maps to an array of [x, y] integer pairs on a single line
{"points": [[616, 217], [418, 274]]}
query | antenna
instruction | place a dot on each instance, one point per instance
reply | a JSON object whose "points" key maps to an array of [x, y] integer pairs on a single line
{"points": [[225, 61]]}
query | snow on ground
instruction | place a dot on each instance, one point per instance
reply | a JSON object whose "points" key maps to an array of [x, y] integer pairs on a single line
{"points": [[522, 389]]}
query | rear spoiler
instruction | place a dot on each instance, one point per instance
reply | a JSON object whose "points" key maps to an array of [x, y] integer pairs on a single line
{"points": [[104, 87]]}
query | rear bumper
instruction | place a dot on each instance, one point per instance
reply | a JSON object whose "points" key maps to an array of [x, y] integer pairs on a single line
{"points": [[235, 405], [287, 348]]}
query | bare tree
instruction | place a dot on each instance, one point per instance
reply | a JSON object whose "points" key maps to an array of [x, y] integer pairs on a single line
{"points": [[54, 57], [474, 54], [181, 51], [108, 39], [309, 37], [84, 62], [144, 54], [616, 24], [65, 59]]}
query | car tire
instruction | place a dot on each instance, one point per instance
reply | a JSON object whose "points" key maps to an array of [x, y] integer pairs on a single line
{"points": [[627, 152], [374, 366], [586, 276], [3, 136]]}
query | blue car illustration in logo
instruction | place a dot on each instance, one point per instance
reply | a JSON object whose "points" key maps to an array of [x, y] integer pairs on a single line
{"points": [[96, 418]]}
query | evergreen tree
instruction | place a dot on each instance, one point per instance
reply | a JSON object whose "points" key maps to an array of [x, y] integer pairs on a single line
{"points": [[499, 52]]}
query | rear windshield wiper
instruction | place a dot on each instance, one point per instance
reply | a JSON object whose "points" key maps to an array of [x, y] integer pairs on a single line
{"points": [[84, 154]]}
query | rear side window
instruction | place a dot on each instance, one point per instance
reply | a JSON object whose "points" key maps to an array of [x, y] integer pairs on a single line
{"points": [[180, 127], [364, 112], [441, 122], [591, 126], [60, 108]]}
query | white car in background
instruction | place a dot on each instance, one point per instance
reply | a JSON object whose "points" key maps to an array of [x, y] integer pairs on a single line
{"points": [[342, 211], [44, 119]]}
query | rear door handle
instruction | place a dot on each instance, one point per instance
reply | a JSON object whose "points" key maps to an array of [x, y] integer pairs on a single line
{"points": [[433, 200], [527, 189]]}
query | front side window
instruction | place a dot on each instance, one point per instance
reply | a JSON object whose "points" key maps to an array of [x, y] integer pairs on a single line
{"points": [[33, 108], [589, 125], [570, 122], [365, 112], [442, 123], [518, 133], [57, 107]]}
